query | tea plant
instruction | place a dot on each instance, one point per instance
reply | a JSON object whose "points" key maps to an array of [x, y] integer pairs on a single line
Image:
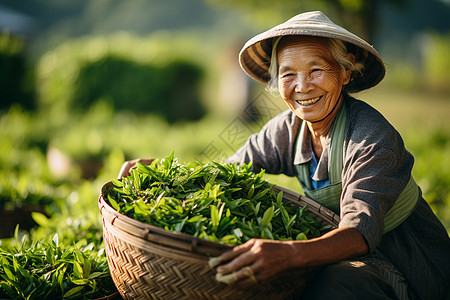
{"points": [[49, 270], [223, 203]]}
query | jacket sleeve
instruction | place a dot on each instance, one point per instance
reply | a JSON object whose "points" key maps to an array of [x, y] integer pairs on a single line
{"points": [[272, 147], [376, 169]]}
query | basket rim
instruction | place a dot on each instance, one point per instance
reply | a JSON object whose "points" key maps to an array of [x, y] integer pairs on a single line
{"points": [[301, 200], [187, 242]]}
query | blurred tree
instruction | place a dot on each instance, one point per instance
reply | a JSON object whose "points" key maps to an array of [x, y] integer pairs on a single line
{"points": [[360, 16], [16, 84], [56, 21], [171, 91]]}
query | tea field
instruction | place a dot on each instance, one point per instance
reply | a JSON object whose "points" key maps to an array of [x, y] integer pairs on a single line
{"points": [[55, 165]]}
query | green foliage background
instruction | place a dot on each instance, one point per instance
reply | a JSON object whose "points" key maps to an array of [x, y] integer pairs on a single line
{"points": [[73, 113], [96, 137]]}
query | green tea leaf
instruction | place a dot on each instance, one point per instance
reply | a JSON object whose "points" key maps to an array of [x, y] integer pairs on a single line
{"points": [[251, 191], [40, 218], [266, 234], [80, 281], [78, 270], [5, 261], [72, 292], [9, 273], [267, 217], [261, 194], [117, 183], [280, 199], [95, 275], [179, 226], [257, 207], [113, 203], [86, 268], [136, 179], [229, 239], [214, 216], [301, 236], [195, 219], [15, 264], [284, 216]]}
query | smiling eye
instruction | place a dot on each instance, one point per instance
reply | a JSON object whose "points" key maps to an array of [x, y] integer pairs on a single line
{"points": [[286, 75]]}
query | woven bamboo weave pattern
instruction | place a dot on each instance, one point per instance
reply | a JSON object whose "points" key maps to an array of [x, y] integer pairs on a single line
{"points": [[151, 263]]}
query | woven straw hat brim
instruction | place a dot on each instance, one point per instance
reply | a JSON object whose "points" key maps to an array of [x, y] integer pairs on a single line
{"points": [[255, 56]]}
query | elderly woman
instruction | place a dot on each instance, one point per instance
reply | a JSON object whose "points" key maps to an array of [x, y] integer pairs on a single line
{"points": [[348, 158]]}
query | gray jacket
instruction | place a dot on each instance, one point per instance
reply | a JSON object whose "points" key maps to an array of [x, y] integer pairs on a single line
{"points": [[376, 168]]}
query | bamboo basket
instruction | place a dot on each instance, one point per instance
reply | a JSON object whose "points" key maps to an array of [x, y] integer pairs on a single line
{"points": [[148, 262]]}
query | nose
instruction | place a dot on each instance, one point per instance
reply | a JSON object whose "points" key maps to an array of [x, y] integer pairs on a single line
{"points": [[302, 83]]}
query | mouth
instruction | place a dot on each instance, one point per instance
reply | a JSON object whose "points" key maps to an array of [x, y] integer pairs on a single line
{"points": [[309, 101]]}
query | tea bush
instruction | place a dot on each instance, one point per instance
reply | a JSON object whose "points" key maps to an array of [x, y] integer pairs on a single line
{"points": [[139, 75], [88, 124], [431, 168], [437, 61], [16, 84], [171, 91], [52, 270], [25, 179]]}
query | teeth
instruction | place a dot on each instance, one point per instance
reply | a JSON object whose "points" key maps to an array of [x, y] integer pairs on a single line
{"points": [[308, 102]]}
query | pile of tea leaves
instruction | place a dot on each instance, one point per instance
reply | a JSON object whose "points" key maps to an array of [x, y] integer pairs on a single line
{"points": [[219, 202]]}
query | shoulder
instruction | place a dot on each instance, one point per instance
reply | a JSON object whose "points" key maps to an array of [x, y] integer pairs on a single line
{"points": [[282, 126], [368, 126], [284, 118], [373, 146], [362, 113], [271, 147]]}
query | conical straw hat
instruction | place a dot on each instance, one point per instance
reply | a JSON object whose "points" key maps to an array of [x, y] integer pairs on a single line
{"points": [[255, 56]]}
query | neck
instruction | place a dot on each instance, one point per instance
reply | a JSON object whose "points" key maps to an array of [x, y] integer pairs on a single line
{"points": [[319, 129]]}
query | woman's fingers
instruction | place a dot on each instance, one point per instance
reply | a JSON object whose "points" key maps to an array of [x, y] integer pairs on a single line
{"points": [[240, 256], [128, 165], [266, 259], [243, 277], [237, 263]]}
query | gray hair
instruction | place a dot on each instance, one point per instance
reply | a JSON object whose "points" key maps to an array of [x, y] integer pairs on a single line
{"points": [[338, 50]]}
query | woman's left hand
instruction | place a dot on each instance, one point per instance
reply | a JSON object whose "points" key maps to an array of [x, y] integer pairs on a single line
{"points": [[256, 260]]}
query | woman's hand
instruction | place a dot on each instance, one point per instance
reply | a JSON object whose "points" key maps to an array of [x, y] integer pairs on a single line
{"points": [[128, 165], [260, 260], [256, 260]]}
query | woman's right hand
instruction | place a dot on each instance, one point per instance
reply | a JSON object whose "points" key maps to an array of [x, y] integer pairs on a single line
{"points": [[130, 164]]}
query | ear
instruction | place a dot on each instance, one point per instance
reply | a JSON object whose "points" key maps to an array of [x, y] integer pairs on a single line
{"points": [[348, 72]]}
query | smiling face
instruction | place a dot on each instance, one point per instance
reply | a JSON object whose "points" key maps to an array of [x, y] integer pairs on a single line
{"points": [[309, 78]]}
